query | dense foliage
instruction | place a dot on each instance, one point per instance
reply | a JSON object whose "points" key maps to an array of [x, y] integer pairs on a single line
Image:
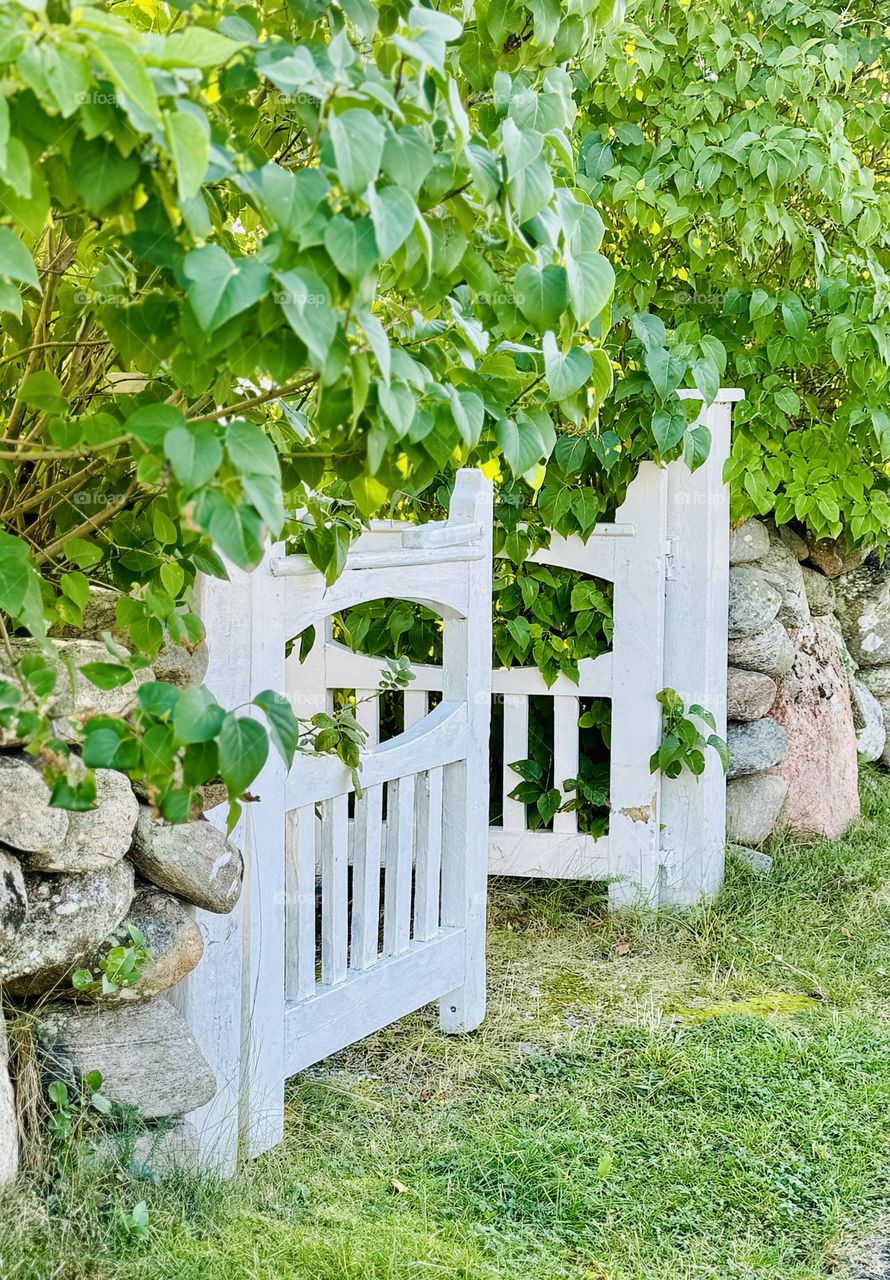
{"points": [[738, 154], [245, 251], [738, 157], [267, 257]]}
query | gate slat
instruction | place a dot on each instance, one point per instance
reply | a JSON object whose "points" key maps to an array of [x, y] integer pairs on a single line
{"points": [[367, 713], [515, 748], [429, 854], [416, 703], [334, 888], [366, 832], [565, 755], [397, 880], [299, 924]]}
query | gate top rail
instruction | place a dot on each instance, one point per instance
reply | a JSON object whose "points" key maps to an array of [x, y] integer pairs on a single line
{"points": [[392, 544]]}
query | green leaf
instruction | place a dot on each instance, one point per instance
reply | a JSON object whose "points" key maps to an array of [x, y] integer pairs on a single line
{"points": [[236, 529], [407, 158], [601, 378], [707, 378], [10, 299], [255, 458], [292, 199], [127, 72], [20, 594], [106, 675], [82, 552], [794, 316], [157, 698], [352, 246], [16, 262], [151, 422], [591, 282], [305, 300], [469, 414], [284, 726], [565, 374], [665, 369], [221, 287], [696, 446], [194, 452], [243, 749], [523, 443], [393, 213], [197, 47], [668, 429], [197, 716], [357, 137], [190, 144], [43, 391], [101, 174], [542, 296]]}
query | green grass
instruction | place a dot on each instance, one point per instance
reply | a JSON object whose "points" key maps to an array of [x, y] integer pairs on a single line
{"points": [[704, 1095]]}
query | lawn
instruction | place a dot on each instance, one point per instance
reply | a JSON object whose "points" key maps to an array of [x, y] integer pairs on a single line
{"points": [[702, 1095]]}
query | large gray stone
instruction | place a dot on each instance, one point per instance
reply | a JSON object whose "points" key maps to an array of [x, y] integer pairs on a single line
{"points": [[13, 899], [27, 822], [172, 938], [754, 859], [813, 705], [749, 694], [98, 838], [769, 651], [868, 721], [68, 918], [753, 805], [748, 542], [195, 861], [9, 1137], [99, 616], [793, 541], [876, 680], [180, 666], [146, 1053], [863, 606], [885, 708], [782, 569], [832, 556], [753, 602], [821, 593], [756, 746], [74, 697]]}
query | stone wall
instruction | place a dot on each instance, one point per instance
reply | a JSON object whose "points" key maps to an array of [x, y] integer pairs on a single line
{"points": [[809, 662], [70, 885]]}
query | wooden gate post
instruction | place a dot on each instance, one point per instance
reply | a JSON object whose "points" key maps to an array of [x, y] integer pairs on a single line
{"points": [[211, 998], [467, 676], [638, 624], [693, 810], [234, 1000]]}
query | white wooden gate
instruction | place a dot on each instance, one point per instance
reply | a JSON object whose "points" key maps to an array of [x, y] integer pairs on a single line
{"points": [[347, 922], [667, 554]]}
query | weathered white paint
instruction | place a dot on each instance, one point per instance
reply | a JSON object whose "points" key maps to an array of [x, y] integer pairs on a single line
{"points": [[297, 970], [696, 608], [667, 555]]}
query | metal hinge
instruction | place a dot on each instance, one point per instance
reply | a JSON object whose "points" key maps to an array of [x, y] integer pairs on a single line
{"points": [[670, 570]]}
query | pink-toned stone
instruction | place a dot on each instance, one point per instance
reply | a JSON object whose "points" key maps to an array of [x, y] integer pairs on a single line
{"points": [[813, 705]]}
